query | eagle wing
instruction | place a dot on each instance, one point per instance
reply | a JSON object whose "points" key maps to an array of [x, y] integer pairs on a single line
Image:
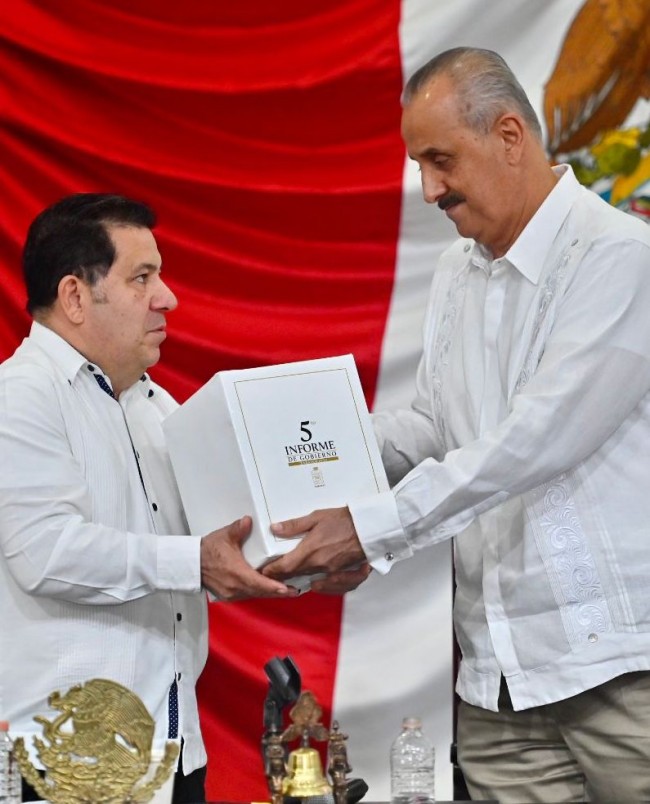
{"points": [[602, 70]]}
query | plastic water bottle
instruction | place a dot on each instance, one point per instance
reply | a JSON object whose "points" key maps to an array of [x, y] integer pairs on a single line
{"points": [[10, 781], [412, 762]]}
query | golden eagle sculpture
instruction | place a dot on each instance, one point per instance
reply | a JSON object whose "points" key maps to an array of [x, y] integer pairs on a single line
{"points": [[602, 70]]}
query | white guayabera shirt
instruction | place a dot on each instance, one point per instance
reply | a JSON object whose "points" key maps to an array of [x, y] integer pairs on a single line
{"points": [[529, 442], [90, 587]]}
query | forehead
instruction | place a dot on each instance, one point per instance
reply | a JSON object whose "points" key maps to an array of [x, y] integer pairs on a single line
{"points": [[134, 246], [431, 117]]}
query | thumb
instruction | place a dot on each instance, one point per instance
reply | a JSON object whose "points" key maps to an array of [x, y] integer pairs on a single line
{"points": [[239, 529]]}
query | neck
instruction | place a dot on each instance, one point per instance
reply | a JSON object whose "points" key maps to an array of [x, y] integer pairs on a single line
{"points": [[531, 196], [71, 334]]}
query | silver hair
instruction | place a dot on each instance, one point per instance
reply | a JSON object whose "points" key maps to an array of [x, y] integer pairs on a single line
{"points": [[485, 87]]}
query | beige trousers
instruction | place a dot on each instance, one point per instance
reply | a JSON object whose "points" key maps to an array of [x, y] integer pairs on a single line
{"points": [[592, 747]]}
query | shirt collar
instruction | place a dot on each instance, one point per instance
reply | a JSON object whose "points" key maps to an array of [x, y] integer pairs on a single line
{"points": [[70, 361], [67, 358], [528, 253]]}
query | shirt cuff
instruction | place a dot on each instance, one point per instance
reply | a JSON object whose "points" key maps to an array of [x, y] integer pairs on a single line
{"points": [[380, 531], [179, 563]]}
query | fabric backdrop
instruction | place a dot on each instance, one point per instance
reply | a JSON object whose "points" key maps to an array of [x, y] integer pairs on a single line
{"points": [[266, 137]]}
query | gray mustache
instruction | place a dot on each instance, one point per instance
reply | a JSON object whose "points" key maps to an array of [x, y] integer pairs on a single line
{"points": [[449, 200]]}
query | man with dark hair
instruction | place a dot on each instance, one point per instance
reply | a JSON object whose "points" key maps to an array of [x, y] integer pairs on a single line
{"points": [[98, 577], [527, 443], [71, 237]]}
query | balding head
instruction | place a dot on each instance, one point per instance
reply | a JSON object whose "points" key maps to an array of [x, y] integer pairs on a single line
{"points": [[484, 86]]}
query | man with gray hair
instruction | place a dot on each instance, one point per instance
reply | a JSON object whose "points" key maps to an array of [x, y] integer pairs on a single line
{"points": [[527, 443]]}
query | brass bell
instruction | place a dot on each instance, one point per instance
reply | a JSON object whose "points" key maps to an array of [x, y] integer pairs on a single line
{"points": [[305, 776]]}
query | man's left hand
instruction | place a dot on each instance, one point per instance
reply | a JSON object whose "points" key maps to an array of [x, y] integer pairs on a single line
{"points": [[329, 545]]}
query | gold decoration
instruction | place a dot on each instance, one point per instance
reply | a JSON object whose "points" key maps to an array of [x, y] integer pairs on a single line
{"points": [[302, 775], [98, 750], [305, 774], [305, 717]]}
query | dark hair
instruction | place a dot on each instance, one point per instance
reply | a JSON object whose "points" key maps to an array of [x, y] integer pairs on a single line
{"points": [[485, 87], [71, 237]]}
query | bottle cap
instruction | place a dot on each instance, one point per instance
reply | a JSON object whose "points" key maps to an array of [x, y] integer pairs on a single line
{"points": [[4, 725], [411, 723]]}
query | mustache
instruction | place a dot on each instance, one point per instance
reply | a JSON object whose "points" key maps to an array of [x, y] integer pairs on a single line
{"points": [[449, 200]]}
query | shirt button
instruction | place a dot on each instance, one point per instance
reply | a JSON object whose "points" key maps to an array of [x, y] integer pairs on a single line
{"points": [[593, 637], [389, 556], [467, 248], [91, 368], [150, 394], [154, 506], [178, 676], [179, 616], [574, 242]]}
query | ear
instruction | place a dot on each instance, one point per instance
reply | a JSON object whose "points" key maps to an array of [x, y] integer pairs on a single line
{"points": [[71, 296], [511, 130]]}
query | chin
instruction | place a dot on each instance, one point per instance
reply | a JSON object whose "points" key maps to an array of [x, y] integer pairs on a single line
{"points": [[152, 359], [464, 231]]}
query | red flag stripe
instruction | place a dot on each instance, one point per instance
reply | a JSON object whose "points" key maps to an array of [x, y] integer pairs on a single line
{"points": [[269, 145]]}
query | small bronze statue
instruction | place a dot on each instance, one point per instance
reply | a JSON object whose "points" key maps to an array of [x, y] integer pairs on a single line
{"points": [[275, 766], [338, 766], [302, 776]]}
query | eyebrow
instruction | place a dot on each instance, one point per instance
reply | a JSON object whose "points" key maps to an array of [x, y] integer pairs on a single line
{"points": [[148, 266], [429, 153], [435, 152]]}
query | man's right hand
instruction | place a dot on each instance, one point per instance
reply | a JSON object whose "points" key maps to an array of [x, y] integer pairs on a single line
{"points": [[226, 573]]}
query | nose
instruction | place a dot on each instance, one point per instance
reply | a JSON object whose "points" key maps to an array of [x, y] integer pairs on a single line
{"points": [[433, 187], [164, 298]]}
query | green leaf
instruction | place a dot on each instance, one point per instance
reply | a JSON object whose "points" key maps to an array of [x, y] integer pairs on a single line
{"points": [[585, 175], [644, 138], [619, 159]]}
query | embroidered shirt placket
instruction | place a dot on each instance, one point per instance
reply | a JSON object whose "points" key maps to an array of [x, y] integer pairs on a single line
{"points": [[490, 415]]}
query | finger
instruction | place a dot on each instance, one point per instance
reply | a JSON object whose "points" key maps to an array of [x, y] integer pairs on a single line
{"points": [[275, 569], [338, 583], [249, 594], [288, 565], [261, 586], [267, 587], [293, 527], [246, 582]]}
